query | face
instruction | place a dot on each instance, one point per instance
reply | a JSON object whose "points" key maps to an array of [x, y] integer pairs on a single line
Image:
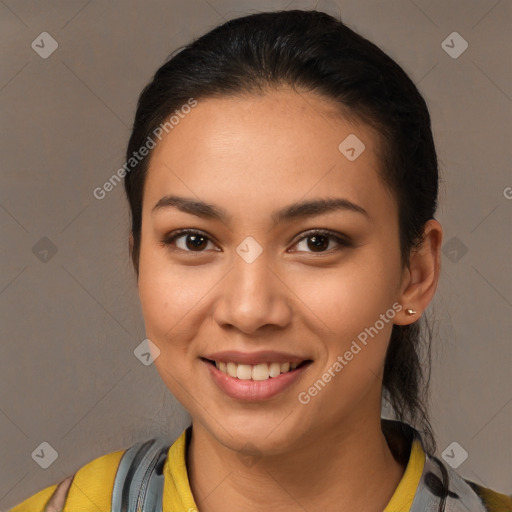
{"points": [[260, 280]]}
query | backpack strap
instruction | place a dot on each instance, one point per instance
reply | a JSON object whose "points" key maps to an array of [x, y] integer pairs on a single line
{"points": [[139, 481], [442, 489]]}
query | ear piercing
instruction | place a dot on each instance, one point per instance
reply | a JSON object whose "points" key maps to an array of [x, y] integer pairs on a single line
{"points": [[410, 311]]}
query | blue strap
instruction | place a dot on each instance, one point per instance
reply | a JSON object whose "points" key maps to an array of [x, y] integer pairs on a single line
{"points": [[139, 481]]}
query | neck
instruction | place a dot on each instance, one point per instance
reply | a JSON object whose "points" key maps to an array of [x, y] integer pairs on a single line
{"points": [[345, 469]]}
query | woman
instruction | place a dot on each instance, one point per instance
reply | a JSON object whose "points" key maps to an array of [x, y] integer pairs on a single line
{"points": [[282, 180]]}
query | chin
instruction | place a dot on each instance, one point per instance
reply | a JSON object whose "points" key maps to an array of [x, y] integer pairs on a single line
{"points": [[268, 434]]}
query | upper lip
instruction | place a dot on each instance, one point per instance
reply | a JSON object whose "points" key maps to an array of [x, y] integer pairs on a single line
{"points": [[252, 358]]}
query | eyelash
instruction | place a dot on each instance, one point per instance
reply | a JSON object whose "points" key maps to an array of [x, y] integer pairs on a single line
{"points": [[168, 240]]}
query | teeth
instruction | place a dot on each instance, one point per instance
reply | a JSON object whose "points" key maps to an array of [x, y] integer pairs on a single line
{"points": [[262, 371], [275, 369], [244, 371], [231, 369]]}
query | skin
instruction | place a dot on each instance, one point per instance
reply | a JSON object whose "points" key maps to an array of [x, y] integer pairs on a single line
{"points": [[251, 155]]}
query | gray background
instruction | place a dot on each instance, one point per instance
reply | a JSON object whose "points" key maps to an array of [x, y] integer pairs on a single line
{"points": [[70, 321]]}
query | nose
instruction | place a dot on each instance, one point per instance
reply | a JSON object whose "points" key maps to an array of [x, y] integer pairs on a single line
{"points": [[252, 296]]}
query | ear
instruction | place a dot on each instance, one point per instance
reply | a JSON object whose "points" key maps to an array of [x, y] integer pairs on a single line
{"points": [[420, 278]]}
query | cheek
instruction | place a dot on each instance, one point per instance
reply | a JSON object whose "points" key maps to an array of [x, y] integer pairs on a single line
{"points": [[354, 320], [171, 295], [349, 298], [348, 303]]}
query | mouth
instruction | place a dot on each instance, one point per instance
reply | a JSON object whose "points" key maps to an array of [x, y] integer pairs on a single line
{"points": [[257, 372]]}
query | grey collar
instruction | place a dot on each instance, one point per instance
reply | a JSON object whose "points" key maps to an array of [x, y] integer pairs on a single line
{"points": [[441, 489]]}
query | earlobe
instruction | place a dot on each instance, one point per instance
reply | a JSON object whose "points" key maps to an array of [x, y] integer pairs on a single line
{"points": [[423, 275]]}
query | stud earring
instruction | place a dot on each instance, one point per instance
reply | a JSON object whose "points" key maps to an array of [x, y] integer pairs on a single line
{"points": [[410, 311]]}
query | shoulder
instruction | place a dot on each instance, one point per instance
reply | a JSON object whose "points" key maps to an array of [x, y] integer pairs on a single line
{"points": [[90, 488], [492, 500], [442, 485]]}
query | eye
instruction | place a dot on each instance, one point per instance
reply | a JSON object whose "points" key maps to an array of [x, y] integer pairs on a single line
{"points": [[319, 240], [188, 240], [316, 241]]}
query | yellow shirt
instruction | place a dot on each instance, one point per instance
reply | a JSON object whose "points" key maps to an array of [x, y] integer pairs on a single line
{"points": [[93, 483]]}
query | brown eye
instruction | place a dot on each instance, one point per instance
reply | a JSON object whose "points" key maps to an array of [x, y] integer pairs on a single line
{"points": [[187, 240], [321, 241], [195, 242], [318, 242]]}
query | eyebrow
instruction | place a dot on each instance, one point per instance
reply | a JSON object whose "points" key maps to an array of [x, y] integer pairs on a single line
{"points": [[296, 210]]}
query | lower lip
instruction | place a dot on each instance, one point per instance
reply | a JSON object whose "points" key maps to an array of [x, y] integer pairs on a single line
{"points": [[254, 390]]}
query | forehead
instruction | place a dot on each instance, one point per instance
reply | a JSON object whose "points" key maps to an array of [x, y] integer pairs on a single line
{"points": [[266, 146]]}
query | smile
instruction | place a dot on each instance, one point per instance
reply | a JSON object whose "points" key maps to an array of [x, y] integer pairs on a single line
{"points": [[255, 382], [262, 371]]}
